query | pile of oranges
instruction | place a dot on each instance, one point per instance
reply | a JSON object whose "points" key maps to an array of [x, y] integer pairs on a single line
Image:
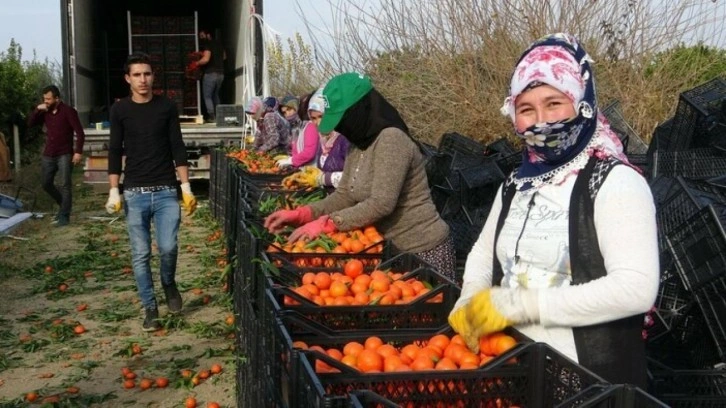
{"points": [[354, 287], [439, 352], [254, 162], [366, 240]]}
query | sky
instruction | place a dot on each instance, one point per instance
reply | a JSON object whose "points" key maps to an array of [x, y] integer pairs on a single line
{"points": [[35, 24]]}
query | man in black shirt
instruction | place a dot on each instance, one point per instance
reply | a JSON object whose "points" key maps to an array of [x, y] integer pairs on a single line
{"points": [[212, 62], [145, 128]]}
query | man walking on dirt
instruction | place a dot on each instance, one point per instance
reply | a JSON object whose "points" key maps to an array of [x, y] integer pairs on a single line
{"points": [[145, 128], [60, 121]]}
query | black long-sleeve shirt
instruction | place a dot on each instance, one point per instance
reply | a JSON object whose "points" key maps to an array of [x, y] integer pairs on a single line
{"points": [[150, 136], [59, 127]]}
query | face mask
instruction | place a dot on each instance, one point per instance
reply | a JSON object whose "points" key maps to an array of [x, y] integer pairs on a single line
{"points": [[552, 142]]}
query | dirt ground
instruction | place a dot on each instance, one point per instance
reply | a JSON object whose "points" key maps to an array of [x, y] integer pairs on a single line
{"points": [[70, 318]]}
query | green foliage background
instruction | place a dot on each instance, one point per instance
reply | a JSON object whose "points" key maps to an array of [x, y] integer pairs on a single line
{"points": [[21, 82]]}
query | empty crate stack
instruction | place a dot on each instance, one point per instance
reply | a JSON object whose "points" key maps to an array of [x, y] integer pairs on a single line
{"points": [[169, 40]]}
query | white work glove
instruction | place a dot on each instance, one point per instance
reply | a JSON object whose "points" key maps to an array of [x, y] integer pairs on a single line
{"points": [[189, 203], [284, 162], [113, 205]]}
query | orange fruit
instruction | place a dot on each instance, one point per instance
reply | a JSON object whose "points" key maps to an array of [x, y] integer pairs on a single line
{"points": [[212, 405], [380, 285], [353, 268], [422, 362], [130, 375], [441, 341], [391, 363], [503, 344], [350, 361], [372, 343], [32, 396], [162, 382], [353, 348], [308, 277], [338, 289], [216, 369], [145, 384], [79, 329], [128, 384], [203, 374], [386, 350], [455, 352], [322, 280], [370, 361], [191, 402], [445, 364], [410, 351], [334, 353], [469, 358]]}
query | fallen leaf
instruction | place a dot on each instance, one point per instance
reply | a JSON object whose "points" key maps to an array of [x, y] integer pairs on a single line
{"points": [[46, 375]]}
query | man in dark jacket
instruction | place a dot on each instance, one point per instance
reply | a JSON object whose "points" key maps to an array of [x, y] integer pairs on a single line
{"points": [[60, 121], [212, 62]]}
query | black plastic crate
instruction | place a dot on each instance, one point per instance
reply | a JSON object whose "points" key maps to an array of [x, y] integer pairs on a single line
{"points": [[632, 143], [672, 304], [660, 140], [703, 163], [458, 144], [688, 388], [662, 189], [249, 384], [367, 398], [186, 25], [698, 338], [428, 311], [267, 199], [466, 225], [613, 396], [230, 115], [699, 247], [697, 113], [138, 24], [679, 199], [171, 24], [529, 375], [438, 167], [502, 147]]}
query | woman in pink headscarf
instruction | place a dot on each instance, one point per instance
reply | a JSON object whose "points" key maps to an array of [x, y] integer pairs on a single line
{"points": [[569, 253]]}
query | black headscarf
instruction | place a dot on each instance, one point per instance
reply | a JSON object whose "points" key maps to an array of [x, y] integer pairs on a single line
{"points": [[363, 122]]}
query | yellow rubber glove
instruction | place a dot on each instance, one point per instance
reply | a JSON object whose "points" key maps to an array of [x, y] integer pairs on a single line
{"points": [[189, 202], [292, 180], [113, 205], [495, 309], [460, 324], [310, 176], [280, 157]]}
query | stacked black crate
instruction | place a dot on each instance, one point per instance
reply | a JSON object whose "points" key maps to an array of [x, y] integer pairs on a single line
{"points": [[464, 176], [634, 147], [688, 329], [693, 142]]}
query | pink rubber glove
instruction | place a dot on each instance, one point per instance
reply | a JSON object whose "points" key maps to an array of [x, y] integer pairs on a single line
{"points": [[276, 221], [312, 229]]}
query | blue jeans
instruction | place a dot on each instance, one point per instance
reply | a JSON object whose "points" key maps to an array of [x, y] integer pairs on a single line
{"points": [[211, 85], [60, 165], [163, 208]]}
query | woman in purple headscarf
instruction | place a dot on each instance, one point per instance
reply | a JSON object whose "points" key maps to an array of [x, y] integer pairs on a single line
{"points": [[569, 253]]}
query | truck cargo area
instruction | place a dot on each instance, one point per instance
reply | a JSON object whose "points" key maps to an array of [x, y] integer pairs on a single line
{"points": [[98, 36]]}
